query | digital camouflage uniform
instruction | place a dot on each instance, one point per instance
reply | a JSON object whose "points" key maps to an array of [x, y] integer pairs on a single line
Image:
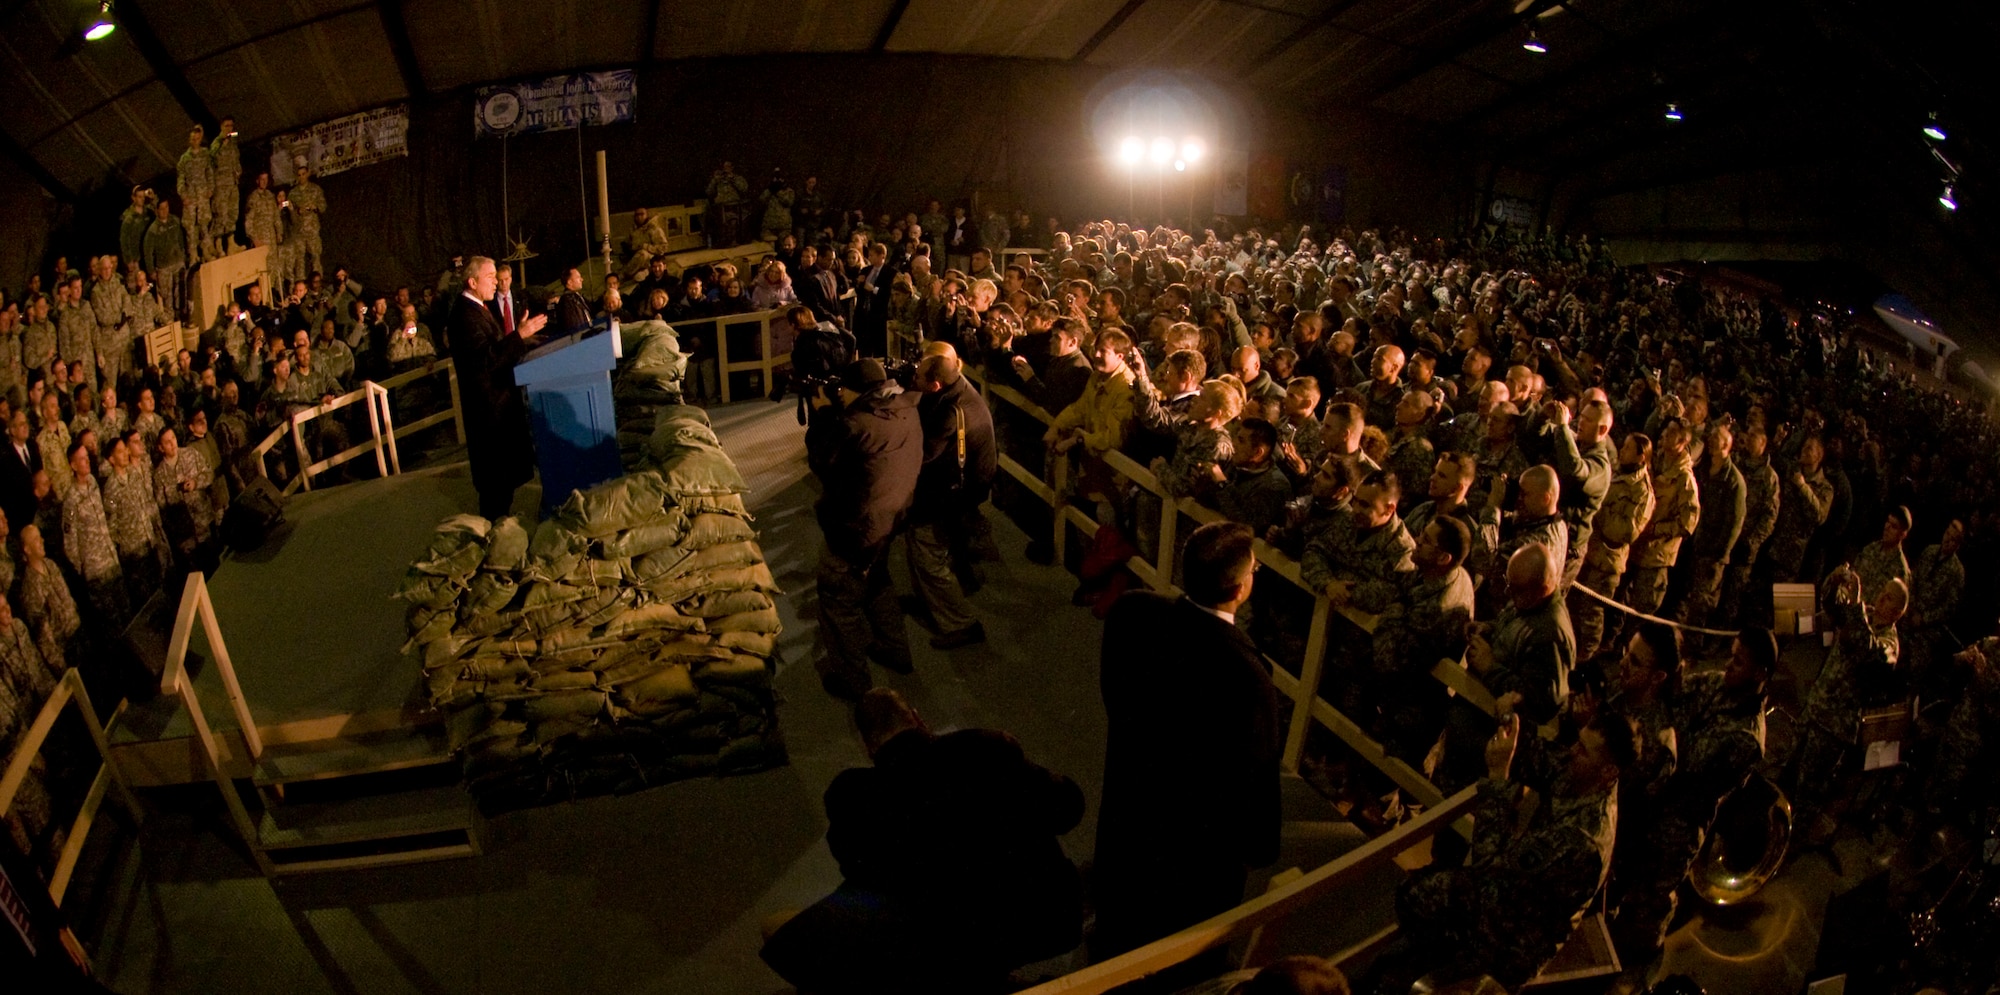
{"points": [[260, 218], [1760, 517], [1586, 481], [1724, 504], [1479, 558], [1801, 510], [133, 515], [1412, 459], [88, 547], [308, 203], [1376, 560], [50, 612], [12, 373], [195, 180], [132, 225], [1860, 673], [53, 442], [167, 259], [38, 345], [228, 159], [149, 425], [1197, 449], [187, 512], [143, 313], [1676, 513], [76, 338], [1426, 625], [1505, 535], [1878, 565], [108, 302], [1521, 891], [1720, 737]]}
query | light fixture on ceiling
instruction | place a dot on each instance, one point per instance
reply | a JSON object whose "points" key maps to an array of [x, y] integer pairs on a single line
{"points": [[1192, 150], [1534, 43], [1933, 130], [1130, 151], [1163, 151], [100, 25], [1674, 112], [1947, 198], [1180, 165]]}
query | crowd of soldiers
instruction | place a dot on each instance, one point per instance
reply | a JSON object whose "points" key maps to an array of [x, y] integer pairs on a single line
{"points": [[1579, 479]]}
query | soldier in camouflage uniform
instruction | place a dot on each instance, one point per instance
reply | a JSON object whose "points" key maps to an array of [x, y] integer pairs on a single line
{"points": [[132, 225], [1628, 506], [1961, 782], [133, 515], [1724, 505], [1362, 559], [45, 601], [13, 376], [108, 302], [1425, 625], [52, 442], [1760, 517], [308, 203], [1719, 732], [1882, 561], [87, 539], [181, 485], [1936, 584], [1806, 495], [144, 312], [1449, 483], [76, 329], [1860, 673], [195, 181], [1584, 459], [1538, 519], [1676, 513], [1642, 686], [1411, 455], [260, 214], [38, 340], [228, 159], [166, 258], [1531, 872]]}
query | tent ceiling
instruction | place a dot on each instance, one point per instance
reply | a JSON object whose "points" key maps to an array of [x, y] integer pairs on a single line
{"points": [[1752, 77]]}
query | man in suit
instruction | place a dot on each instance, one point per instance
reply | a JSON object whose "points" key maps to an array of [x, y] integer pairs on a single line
{"points": [[510, 307], [1191, 759], [815, 287], [952, 871], [496, 415], [871, 310], [19, 459], [571, 310]]}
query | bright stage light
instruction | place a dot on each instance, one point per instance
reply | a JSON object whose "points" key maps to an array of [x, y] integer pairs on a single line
{"points": [[1180, 165], [1534, 44], [1129, 151], [100, 26], [1950, 202], [1191, 150], [1933, 130], [1674, 112], [1163, 150]]}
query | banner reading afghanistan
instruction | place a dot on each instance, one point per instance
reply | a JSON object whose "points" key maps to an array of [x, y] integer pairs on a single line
{"points": [[343, 143], [558, 103]]}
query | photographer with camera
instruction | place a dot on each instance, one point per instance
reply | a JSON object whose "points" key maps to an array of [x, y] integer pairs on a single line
{"points": [[868, 454], [960, 461]]}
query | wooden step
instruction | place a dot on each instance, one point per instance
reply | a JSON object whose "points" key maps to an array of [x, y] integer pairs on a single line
{"points": [[370, 831], [326, 759]]}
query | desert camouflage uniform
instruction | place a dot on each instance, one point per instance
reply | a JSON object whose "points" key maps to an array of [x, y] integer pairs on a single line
{"points": [[1800, 512], [195, 181], [1676, 513], [88, 547]]}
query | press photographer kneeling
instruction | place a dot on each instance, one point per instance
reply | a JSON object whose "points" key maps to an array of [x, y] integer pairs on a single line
{"points": [[867, 450]]}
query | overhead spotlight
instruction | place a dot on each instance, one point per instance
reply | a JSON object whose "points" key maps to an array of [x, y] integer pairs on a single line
{"points": [[1946, 198], [100, 25], [1131, 150], [1933, 130], [1191, 150], [1534, 43], [1180, 165], [1163, 151], [1674, 112]]}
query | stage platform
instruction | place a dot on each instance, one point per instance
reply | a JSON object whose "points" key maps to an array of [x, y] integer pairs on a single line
{"points": [[310, 626]]}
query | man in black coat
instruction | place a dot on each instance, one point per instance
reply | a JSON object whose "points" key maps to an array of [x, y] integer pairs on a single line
{"points": [[868, 462], [571, 310], [952, 871], [19, 459], [961, 459], [496, 414], [1191, 756], [816, 287]]}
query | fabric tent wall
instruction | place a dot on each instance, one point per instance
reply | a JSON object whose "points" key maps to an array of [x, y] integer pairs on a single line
{"points": [[28, 215]]}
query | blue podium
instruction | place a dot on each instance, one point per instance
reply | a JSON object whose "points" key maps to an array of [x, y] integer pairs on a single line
{"points": [[569, 406]]}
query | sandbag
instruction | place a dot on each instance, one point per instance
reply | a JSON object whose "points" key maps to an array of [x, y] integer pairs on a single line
{"points": [[544, 594], [753, 643], [442, 652], [735, 669], [728, 603], [652, 616], [507, 546], [661, 533], [487, 595], [467, 723], [701, 471], [707, 529], [562, 705], [669, 683], [553, 551], [455, 532], [764, 620], [439, 626], [720, 504], [458, 564], [681, 413], [590, 573], [690, 583], [672, 437], [607, 605], [616, 505], [657, 564], [495, 668]]}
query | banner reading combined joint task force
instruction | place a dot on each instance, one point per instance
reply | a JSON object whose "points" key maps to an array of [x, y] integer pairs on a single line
{"points": [[343, 143], [558, 103]]}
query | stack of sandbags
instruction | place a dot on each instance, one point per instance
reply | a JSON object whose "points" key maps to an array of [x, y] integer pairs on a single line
{"points": [[626, 641], [648, 379]]}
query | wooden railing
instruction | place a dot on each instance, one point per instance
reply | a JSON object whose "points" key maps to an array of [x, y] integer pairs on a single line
{"points": [[767, 360], [1158, 573], [196, 606], [1247, 919], [381, 425], [68, 691]]}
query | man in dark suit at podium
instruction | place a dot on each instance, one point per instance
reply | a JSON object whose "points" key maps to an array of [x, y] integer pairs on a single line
{"points": [[1191, 755], [496, 415]]}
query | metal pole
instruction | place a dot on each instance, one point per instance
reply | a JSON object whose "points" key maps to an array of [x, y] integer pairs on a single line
{"points": [[582, 186], [604, 209]]}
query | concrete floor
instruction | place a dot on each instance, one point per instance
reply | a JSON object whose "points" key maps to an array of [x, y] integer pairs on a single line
{"points": [[663, 891]]}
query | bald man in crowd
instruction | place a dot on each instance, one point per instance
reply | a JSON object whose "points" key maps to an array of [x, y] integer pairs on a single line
{"points": [[1525, 659], [1537, 519]]}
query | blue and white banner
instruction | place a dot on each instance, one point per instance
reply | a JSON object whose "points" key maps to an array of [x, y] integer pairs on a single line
{"points": [[558, 103]]}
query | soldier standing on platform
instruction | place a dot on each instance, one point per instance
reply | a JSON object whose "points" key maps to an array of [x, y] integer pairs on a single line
{"points": [[1628, 506], [308, 203], [228, 160], [1676, 513], [38, 340], [132, 225], [76, 332], [260, 214], [166, 256], [196, 184]]}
